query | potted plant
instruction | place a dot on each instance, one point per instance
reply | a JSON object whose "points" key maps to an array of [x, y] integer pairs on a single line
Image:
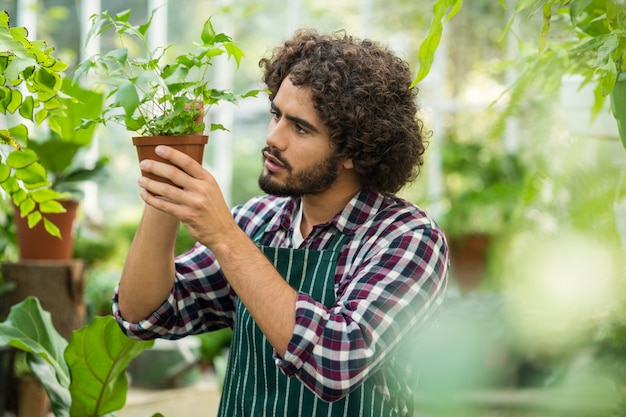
{"points": [[585, 38], [163, 100], [85, 377], [62, 153], [30, 84]]}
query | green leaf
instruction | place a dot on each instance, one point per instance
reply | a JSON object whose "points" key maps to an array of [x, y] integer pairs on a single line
{"points": [[58, 394], [20, 133], [444, 10], [26, 109], [29, 328], [127, 97], [5, 171], [235, 52], [21, 158], [44, 194], [14, 102], [51, 207], [98, 356], [32, 175], [33, 219], [208, 33], [51, 228], [27, 205]]}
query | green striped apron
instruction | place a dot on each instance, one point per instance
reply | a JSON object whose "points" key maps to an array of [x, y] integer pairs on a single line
{"points": [[254, 386]]}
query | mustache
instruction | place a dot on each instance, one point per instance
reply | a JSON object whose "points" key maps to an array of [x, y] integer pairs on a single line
{"points": [[276, 154]]}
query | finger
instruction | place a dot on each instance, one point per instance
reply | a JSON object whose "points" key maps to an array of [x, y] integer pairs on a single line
{"points": [[181, 160], [164, 172], [163, 204], [160, 189]]}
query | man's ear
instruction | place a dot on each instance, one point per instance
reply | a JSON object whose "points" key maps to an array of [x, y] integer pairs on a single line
{"points": [[348, 164]]}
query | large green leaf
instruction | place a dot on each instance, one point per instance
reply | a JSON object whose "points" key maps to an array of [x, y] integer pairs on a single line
{"points": [[29, 328], [98, 356]]}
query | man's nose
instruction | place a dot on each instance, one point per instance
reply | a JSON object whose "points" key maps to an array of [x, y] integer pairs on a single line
{"points": [[276, 137]]}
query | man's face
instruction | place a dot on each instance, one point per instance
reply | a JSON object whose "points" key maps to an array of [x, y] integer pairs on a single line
{"points": [[298, 158]]}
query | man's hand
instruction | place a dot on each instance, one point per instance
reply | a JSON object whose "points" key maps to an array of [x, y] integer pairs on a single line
{"points": [[197, 202]]}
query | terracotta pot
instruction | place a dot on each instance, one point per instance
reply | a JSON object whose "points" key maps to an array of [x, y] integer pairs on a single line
{"points": [[192, 145], [37, 243], [33, 400], [468, 259]]}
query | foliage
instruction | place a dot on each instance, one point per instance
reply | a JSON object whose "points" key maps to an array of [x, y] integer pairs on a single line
{"points": [[443, 11], [579, 37], [213, 343], [147, 94], [85, 377], [30, 83], [483, 186], [61, 151]]}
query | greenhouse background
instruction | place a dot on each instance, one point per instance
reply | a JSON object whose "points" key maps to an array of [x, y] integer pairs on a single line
{"points": [[529, 187]]}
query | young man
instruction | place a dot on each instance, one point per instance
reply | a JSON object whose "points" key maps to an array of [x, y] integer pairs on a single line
{"points": [[323, 278]]}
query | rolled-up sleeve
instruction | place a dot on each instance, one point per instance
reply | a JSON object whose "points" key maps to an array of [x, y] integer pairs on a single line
{"points": [[201, 300], [394, 285]]}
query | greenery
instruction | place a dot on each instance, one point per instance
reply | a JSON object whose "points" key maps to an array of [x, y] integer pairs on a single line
{"points": [[62, 151], [85, 377], [147, 94], [30, 92], [580, 37]]}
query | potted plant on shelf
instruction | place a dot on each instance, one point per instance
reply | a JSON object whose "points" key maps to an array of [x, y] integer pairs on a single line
{"points": [[163, 101], [62, 153]]}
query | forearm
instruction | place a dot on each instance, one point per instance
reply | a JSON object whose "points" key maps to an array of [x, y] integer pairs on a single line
{"points": [[148, 273], [265, 293]]}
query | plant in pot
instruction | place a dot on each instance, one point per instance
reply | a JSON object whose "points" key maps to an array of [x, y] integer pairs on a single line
{"points": [[483, 186], [584, 38], [163, 100], [30, 84], [62, 152]]}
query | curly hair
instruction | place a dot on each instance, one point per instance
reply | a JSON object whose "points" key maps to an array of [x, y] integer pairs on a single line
{"points": [[360, 90]]}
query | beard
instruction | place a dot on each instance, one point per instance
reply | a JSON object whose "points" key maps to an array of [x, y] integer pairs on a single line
{"points": [[311, 180]]}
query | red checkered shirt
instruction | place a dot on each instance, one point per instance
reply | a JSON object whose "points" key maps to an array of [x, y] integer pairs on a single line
{"points": [[391, 274]]}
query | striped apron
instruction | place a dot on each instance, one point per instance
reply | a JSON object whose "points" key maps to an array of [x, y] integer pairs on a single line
{"points": [[254, 386]]}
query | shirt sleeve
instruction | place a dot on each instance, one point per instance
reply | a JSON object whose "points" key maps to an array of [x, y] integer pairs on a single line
{"points": [[391, 291], [201, 300]]}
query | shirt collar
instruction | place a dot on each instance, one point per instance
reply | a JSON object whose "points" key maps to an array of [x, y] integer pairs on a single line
{"points": [[358, 210]]}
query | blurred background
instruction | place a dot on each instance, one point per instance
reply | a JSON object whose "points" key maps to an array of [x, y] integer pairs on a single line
{"points": [[527, 185]]}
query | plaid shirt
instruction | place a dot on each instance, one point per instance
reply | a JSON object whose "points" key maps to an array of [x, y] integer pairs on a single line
{"points": [[390, 276]]}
